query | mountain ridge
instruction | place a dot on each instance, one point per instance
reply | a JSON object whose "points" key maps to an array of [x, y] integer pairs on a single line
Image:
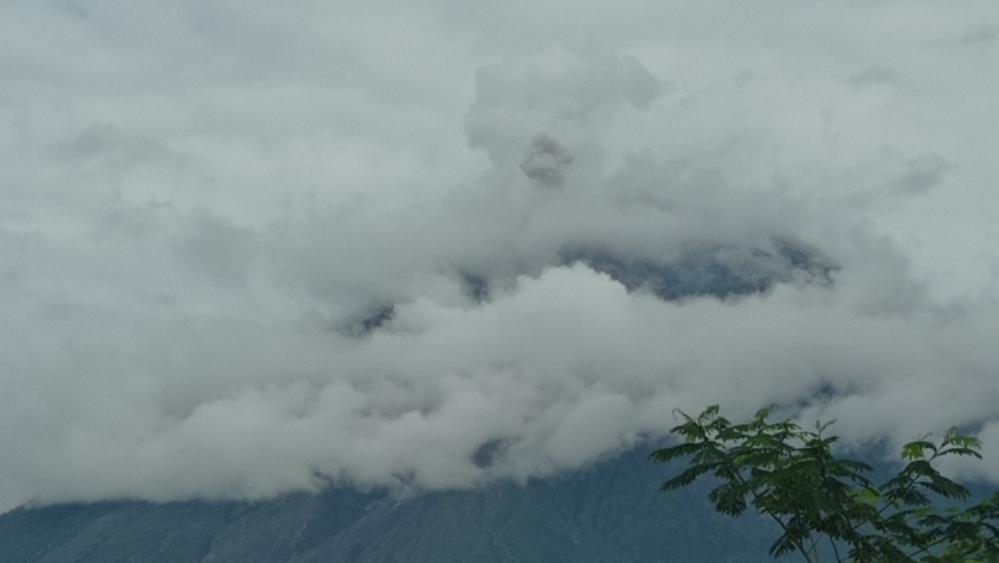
{"points": [[610, 511]]}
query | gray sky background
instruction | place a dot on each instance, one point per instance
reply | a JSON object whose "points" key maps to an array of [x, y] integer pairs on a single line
{"points": [[198, 199]]}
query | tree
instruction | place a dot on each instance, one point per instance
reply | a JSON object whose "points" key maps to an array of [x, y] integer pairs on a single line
{"points": [[824, 505]]}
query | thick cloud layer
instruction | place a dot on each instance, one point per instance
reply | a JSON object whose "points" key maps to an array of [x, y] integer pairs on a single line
{"points": [[254, 250]]}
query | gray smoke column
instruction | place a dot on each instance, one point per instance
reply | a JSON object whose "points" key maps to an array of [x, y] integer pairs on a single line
{"points": [[546, 161]]}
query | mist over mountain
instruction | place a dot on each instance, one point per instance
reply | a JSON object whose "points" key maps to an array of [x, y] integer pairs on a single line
{"points": [[436, 253], [711, 270]]}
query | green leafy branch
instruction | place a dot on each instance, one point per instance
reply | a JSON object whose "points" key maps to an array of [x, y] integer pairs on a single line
{"points": [[825, 505]]}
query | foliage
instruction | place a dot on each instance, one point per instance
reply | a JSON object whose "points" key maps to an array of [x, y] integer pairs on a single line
{"points": [[825, 506]]}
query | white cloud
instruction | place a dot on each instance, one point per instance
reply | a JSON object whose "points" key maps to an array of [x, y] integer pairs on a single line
{"points": [[249, 251]]}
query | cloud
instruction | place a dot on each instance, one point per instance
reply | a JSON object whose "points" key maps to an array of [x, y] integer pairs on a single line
{"points": [[872, 75], [546, 161], [273, 249], [556, 94], [922, 173], [981, 33]]}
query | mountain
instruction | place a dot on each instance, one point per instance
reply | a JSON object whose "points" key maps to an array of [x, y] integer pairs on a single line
{"points": [[611, 511], [707, 268]]}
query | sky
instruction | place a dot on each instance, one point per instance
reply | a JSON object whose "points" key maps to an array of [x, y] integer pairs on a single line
{"points": [[249, 248]]}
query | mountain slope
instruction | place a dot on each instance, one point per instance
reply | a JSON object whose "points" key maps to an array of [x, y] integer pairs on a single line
{"points": [[609, 512]]}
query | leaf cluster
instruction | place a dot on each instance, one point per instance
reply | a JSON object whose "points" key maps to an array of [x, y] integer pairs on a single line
{"points": [[826, 505]]}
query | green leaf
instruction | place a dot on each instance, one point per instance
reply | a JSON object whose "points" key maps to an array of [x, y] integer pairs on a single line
{"points": [[708, 414], [794, 477], [917, 449], [870, 496], [688, 476], [666, 455]]}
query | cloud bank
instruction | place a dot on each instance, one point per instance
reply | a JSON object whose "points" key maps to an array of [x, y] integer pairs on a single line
{"points": [[252, 252]]}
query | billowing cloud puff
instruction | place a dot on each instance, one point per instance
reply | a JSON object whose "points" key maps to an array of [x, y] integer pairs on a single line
{"points": [[546, 161]]}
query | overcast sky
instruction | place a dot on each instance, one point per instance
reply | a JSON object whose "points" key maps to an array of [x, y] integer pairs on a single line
{"points": [[201, 202]]}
